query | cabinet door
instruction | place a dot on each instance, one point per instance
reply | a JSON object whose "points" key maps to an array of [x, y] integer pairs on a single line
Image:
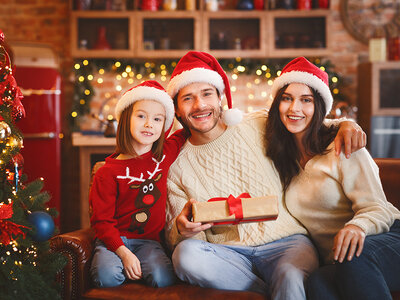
{"points": [[379, 106], [100, 34], [296, 33], [235, 33], [166, 35]]}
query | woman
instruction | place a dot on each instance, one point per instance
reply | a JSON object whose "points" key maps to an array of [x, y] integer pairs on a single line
{"points": [[340, 201]]}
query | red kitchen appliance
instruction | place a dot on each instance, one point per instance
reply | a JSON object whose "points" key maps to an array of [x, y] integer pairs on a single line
{"points": [[36, 72]]}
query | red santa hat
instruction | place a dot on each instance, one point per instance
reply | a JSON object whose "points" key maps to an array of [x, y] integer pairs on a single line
{"points": [[148, 90], [202, 67], [300, 70]]}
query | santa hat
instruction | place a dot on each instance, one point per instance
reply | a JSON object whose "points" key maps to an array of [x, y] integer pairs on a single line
{"points": [[300, 70], [148, 90], [202, 67]]}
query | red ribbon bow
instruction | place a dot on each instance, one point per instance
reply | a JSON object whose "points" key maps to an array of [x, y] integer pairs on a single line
{"points": [[234, 205]]}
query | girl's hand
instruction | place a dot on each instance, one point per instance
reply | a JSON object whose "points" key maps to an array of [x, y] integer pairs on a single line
{"points": [[348, 240], [131, 263]]}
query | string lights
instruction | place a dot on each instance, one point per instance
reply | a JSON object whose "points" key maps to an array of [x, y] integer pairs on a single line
{"points": [[250, 81]]}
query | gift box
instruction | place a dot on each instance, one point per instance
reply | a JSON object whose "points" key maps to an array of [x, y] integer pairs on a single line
{"points": [[231, 210]]}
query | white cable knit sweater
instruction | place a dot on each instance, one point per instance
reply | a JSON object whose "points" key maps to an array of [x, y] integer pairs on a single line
{"points": [[234, 163], [332, 192]]}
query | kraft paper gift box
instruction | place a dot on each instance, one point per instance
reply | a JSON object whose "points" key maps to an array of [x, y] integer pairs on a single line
{"points": [[231, 210]]}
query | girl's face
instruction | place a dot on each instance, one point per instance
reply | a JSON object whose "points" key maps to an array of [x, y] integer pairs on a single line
{"points": [[297, 108], [147, 124]]}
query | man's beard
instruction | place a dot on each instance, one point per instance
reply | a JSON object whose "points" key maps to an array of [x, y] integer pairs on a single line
{"points": [[189, 125]]}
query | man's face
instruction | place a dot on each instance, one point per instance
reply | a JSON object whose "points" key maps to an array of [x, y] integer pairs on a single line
{"points": [[199, 107]]}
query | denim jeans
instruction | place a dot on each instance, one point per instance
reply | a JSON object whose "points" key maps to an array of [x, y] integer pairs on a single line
{"points": [[107, 269], [372, 275], [277, 269]]}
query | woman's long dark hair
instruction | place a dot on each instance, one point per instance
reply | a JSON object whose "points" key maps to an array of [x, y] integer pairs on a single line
{"points": [[281, 145]]}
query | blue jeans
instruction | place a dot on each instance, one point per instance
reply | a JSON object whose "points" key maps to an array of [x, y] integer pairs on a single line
{"points": [[107, 269], [372, 275], [277, 269]]}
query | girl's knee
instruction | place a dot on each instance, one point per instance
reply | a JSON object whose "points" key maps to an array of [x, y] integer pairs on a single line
{"points": [[163, 277], [107, 277]]}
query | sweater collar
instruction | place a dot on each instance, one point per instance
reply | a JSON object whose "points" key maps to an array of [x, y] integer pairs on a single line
{"points": [[219, 142], [112, 158]]}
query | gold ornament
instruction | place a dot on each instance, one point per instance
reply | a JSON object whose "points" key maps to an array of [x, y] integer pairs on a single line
{"points": [[5, 131]]}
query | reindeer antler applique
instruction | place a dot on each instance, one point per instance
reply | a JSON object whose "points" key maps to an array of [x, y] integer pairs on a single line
{"points": [[132, 178], [157, 167], [141, 179]]}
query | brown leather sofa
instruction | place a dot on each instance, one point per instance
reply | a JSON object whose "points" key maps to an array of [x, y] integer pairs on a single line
{"points": [[77, 246]]}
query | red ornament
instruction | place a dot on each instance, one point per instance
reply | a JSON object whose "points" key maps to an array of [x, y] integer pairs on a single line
{"points": [[18, 111], [8, 229], [6, 211], [2, 36], [18, 159]]}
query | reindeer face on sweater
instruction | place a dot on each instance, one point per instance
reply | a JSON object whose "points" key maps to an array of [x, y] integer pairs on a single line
{"points": [[147, 196], [148, 192]]}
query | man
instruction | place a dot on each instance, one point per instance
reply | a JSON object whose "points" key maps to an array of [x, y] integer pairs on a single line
{"points": [[271, 258]]}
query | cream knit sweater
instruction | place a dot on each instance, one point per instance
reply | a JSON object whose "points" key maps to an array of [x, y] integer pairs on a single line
{"points": [[234, 163], [334, 191]]}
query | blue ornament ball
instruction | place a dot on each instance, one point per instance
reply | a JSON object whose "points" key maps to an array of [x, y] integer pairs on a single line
{"points": [[43, 224]]}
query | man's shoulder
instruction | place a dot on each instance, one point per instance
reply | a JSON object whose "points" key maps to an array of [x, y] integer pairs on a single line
{"points": [[255, 120], [258, 114], [180, 160]]}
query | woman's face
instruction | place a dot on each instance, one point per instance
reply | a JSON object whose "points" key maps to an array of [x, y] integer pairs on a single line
{"points": [[296, 108]]}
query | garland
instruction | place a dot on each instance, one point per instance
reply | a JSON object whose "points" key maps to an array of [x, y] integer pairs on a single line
{"points": [[267, 69]]}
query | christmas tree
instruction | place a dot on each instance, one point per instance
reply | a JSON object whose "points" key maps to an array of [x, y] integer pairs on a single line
{"points": [[27, 267]]}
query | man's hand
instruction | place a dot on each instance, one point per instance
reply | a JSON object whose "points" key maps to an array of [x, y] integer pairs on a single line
{"points": [[350, 135], [131, 263], [348, 240], [187, 228]]}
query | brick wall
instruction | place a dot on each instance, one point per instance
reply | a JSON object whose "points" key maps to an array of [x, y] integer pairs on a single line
{"points": [[47, 22]]}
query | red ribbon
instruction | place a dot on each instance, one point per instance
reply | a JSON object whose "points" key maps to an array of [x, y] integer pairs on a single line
{"points": [[234, 205], [235, 208]]}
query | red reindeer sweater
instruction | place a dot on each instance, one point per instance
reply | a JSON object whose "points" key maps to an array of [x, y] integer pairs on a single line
{"points": [[128, 197]]}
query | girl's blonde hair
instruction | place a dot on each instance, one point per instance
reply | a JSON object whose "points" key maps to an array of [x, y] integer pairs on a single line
{"points": [[125, 139]]}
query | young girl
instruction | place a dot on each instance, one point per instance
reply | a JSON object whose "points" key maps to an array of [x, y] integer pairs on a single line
{"points": [[128, 195], [340, 201]]}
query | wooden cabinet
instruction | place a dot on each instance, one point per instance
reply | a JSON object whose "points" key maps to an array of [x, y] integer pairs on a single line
{"points": [[379, 106], [224, 33]]}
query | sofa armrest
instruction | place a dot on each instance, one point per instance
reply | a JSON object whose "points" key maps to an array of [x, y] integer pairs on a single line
{"points": [[389, 172], [77, 246]]}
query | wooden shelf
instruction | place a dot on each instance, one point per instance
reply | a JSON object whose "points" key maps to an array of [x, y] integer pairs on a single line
{"points": [[251, 34]]}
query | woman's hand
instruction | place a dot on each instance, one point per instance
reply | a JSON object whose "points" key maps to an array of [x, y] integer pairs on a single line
{"points": [[348, 240], [131, 263], [187, 228]]}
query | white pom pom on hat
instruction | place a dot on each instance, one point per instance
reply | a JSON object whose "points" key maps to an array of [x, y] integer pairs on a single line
{"points": [[197, 66], [148, 90], [300, 70]]}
